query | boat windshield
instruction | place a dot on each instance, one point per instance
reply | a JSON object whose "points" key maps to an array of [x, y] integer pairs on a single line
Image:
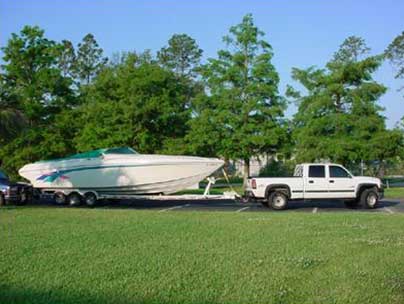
{"points": [[96, 153], [124, 150]]}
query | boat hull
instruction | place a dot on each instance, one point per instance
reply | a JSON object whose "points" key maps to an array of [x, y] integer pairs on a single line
{"points": [[133, 175]]}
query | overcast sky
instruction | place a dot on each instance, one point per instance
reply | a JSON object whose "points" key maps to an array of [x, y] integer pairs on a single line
{"points": [[302, 33]]}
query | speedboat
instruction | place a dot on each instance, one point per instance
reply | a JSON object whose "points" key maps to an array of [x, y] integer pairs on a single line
{"points": [[120, 171]]}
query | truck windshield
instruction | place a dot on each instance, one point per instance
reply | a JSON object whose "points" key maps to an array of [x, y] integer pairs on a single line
{"points": [[3, 175]]}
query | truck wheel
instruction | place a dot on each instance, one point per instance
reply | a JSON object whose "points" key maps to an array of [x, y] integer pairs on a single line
{"points": [[369, 198], [278, 200], [74, 199], [60, 198], [2, 200], [351, 204], [90, 199]]}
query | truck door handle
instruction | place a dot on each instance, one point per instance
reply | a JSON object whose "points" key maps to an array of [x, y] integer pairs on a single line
{"points": [[311, 182], [331, 181]]}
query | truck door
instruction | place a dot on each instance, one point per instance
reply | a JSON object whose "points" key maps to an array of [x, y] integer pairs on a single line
{"points": [[316, 183], [340, 183]]}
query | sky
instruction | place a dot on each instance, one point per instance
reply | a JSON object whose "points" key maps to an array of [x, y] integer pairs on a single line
{"points": [[302, 33]]}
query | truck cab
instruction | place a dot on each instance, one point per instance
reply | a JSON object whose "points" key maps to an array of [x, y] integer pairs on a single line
{"points": [[18, 193], [316, 181]]}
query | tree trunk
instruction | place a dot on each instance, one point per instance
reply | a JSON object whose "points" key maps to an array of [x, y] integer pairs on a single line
{"points": [[246, 172]]}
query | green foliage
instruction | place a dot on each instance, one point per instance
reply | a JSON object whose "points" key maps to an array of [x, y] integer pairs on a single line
{"points": [[182, 55], [395, 53], [242, 115], [89, 60], [31, 74], [278, 168], [339, 118], [135, 103]]}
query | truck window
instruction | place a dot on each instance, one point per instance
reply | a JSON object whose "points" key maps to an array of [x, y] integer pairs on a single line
{"points": [[298, 171], [316, 171], [336, 171]]}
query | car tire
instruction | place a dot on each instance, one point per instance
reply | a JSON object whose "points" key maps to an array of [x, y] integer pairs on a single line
{"points": [[278, 200], [90, 199], [369, 198], [74, 199], [352, 204], [2, 200]]}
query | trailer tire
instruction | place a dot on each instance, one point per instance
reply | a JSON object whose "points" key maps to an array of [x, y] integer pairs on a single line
{"points": [[74, 199], [90, 199], [60, 198], [278, 200]]}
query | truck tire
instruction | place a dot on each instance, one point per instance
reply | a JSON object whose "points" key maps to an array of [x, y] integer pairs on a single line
{"points": [[278, 200], [74, 199], [2, 200], [369, 198]]}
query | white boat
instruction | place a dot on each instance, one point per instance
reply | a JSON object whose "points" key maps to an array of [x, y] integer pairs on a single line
{"points": [[120, 171]]}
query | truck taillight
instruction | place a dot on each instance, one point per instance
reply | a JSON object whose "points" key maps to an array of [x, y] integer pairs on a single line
{"points": [[253, 184]]}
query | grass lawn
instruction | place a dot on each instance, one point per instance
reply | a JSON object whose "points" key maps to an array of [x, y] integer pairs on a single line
{"points": [[394, 192], [68, 255]]}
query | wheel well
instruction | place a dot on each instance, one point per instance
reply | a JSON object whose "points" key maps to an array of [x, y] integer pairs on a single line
{"points": [[364, 187], [278, 187]]}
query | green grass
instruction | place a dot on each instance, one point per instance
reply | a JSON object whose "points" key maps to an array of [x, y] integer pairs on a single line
{"points": [[394, 192], [67, 255]]}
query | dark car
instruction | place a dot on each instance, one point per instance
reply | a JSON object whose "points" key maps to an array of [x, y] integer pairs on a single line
{"points": [[18, 193]]}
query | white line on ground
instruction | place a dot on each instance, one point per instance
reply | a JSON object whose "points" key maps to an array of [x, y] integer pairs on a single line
{"points": [[388, 210], [315, 210], [175, 207], [242, 209]]}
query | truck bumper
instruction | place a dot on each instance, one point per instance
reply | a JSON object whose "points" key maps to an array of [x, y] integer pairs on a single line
{"points": [[249, 197]]}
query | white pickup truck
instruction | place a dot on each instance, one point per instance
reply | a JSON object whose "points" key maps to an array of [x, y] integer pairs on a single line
{"points": [[316, 181]]}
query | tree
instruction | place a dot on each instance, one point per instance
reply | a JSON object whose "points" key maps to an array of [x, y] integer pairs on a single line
{"points": [[243, 107], [339, 118], [67, 59], [182, 55], [89, 60], [136, 103], [32, 76], [12, 120], [395, 53]]}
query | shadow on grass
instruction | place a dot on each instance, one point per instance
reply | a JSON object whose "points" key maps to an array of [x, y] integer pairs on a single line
{"points": [[13, 295]]}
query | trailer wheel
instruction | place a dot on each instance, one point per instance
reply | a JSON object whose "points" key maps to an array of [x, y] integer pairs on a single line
{"points": [[278, 200], [60, 198], [2, 200], [74, 199], [90, 199]]}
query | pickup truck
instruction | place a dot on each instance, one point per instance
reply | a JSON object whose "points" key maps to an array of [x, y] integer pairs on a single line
{"points": [[316, 181], [18, 193]]}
